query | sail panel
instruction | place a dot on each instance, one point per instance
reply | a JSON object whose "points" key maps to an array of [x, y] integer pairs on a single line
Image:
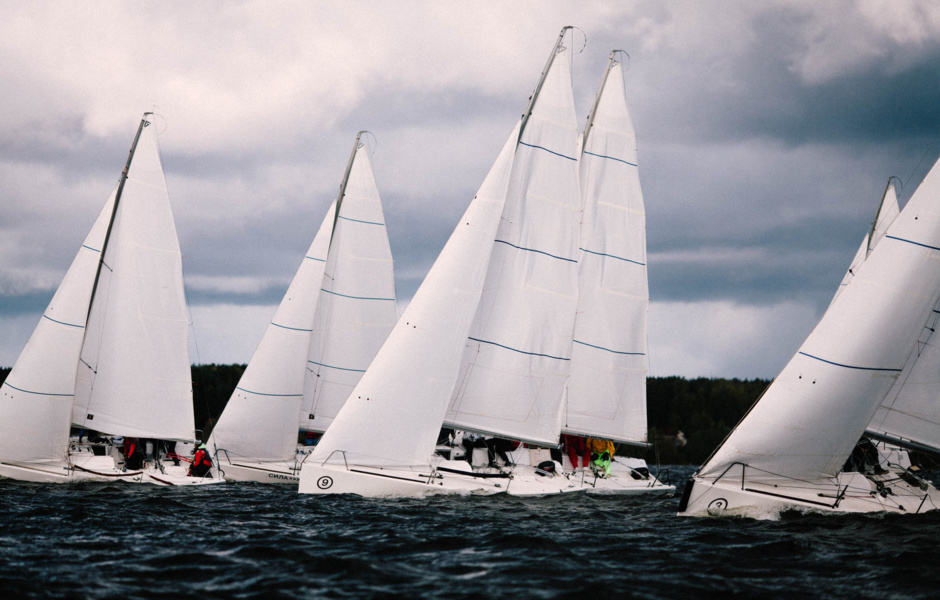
{"points": [[259, 420], [357, 307], [37, 396], [910, 411], [607, 387], [516, 361], [811, 417], [394, 414], [137, 378]]}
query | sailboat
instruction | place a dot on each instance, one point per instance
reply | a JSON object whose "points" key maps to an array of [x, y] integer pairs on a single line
{"points": [[111, 352], [607, 385], [491, 323], [337, 311], [803, 446]]}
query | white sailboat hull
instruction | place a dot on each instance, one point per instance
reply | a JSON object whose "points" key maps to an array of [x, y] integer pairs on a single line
{"points": [[281, 473], [371, 482], [856, 493], [99, 469]]}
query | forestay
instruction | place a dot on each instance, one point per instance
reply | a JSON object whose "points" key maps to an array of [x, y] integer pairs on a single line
{"points": [[810, 418], [357, 307], [36, 397], [516, 360], [134, 373], [607, 386], [260, 418], [394, 414]]}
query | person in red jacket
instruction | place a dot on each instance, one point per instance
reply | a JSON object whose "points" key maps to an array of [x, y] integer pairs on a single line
{"points": [[202, 462], [575, 447]]}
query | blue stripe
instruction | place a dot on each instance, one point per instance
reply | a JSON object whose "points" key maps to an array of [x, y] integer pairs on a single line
{"points": [[291, 328], [38, 393], [90, 248], [337, 368], [609, 350], [891, 237], [547, 150], [612, 256], [356, 297], [278, 395], [63, 323], [531, 250], [316, 259], [366, 222], [611, 158], [850, 366], [519, 351]]}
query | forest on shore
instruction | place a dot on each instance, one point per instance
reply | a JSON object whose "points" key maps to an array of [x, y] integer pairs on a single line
{"points": [[688, 418]]}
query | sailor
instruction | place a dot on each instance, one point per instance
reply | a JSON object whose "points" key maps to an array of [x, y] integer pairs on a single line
{"points": [[602, 453], [574, 446], [471, 441], [133, 454], [201, 461]]}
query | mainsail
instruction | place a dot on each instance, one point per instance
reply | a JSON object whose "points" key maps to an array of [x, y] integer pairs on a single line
{"points": [[356, 309], [134, 372], [811, 417], [335, 315], [515, 365], [36, 397], [607, 386]]}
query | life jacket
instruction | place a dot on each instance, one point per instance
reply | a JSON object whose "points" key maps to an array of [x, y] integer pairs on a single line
{"points": [[202, 458]]}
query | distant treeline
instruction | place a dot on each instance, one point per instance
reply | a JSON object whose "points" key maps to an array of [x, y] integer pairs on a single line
{"points": [[688, 418]]}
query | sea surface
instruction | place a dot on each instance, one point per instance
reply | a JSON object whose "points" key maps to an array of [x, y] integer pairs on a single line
{"points": [[115, 540]]}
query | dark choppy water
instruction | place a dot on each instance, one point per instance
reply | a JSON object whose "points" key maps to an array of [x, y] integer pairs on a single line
{"points": [[128, 541]]}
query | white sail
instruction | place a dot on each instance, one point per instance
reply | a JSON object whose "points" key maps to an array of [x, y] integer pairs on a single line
{"points": [[134, 372], [394, 414], [516, 361], [811, 417], [36, 397], [357, 307], [910, 414], [888, 210], [260, 418], [607, 387]]}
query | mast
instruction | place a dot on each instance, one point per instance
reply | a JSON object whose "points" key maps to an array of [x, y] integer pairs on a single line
{"points": [[342, 186], [538, 88], [597, 99], [117, 199]]}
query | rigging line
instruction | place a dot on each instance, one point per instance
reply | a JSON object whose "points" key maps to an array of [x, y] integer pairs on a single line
{"points": [[918, 163]]}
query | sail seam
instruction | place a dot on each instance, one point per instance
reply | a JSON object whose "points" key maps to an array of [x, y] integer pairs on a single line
{"points": [[355, 297], [611, 158], [63, 323], [851, 366], [291, 328], [609, 350], [519, 351], [612, 256], [360, 221], [337, 368], [547, 150], [536, 251], [37, 393], [891, 237], [263, 394]]}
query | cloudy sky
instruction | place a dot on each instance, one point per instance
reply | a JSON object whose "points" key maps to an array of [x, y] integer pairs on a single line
{"points": [[766, 132]]}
